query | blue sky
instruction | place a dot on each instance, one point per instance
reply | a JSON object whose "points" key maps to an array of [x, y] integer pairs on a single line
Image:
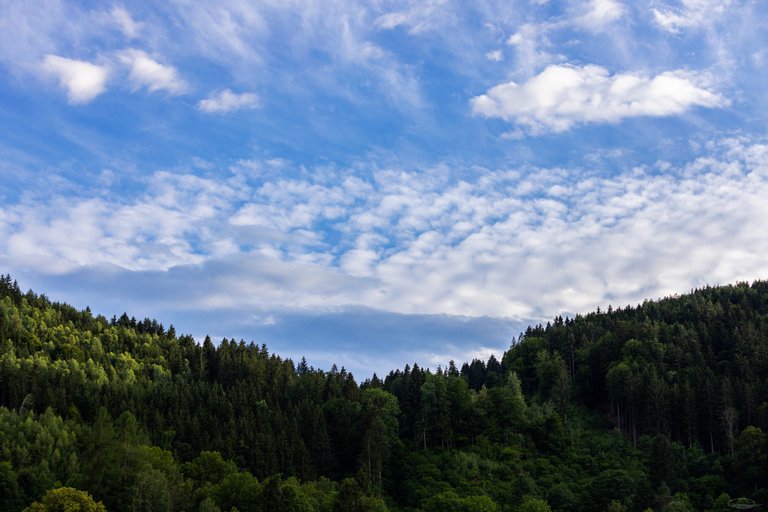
{"points": [[381, 182]]}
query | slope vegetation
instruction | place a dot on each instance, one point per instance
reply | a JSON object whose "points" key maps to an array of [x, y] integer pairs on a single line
{"points": [[661, 406]]}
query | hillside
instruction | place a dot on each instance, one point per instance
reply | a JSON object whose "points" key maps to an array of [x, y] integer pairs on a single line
{"points": [[661, 406]]}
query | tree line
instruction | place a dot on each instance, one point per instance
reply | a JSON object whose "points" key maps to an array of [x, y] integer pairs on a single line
{"points": [[660, 406]]}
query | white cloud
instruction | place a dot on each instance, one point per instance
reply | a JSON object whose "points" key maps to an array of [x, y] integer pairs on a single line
{"points": [[532, 41], [82, 80], [530, 44], [495, 56], [229, 31], [691, 14], [759, 58], [561, 97], [152, 232], [30, 30], [516, 39], [245, 36], [226, 101], [527, 243], [352, 45], [599, 13], [418, 16], [123, 19], [147, 72]]}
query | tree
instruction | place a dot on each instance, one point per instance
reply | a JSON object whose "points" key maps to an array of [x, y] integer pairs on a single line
{"points": [[350, 497], [241, 490], [380, 426], [616, 506], [664, 465], [449, 501], [66, 499], [509, 405], [612, 484], [679, 503], [10, 494], [751, 462], [150, 492], [101, 461], [531, 504], [208, 505], [435, 411], [209, 467], [730, 419]]}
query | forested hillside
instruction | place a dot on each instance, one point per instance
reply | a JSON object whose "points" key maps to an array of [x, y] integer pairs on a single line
{"points": [[662, 406]]}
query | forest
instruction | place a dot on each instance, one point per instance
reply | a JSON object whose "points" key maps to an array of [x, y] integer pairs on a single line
{"points": [[660, 406]]}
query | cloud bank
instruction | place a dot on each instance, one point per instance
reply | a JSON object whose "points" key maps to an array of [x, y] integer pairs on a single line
{"points": [[520, 243]]}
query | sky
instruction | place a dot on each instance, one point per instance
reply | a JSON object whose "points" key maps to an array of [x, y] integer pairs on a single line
{"points": [[381, 182]]}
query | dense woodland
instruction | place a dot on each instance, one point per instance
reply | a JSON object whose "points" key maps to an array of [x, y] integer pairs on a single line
{"points": [[662, 406]]}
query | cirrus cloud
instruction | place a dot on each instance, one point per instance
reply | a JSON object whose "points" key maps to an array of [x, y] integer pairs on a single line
{"points": [[417, 16], [563, 96], [147, 72], [691, 14], [122, 18]]}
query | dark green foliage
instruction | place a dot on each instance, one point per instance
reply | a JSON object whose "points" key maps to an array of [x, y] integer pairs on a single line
{"points": [[450, 502], [663, 405], [10, 495]]}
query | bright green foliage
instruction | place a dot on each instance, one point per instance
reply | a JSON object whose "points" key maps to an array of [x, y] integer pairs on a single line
{"points": [[531, 504], [239, 490], [66, 499], [616, 506]]}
